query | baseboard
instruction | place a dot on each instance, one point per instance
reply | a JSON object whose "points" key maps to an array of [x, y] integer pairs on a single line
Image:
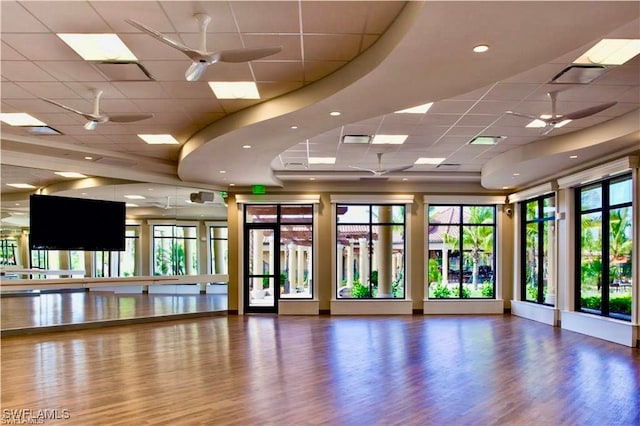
{"points": [[324, 312], [418, 311], [233, 312]]}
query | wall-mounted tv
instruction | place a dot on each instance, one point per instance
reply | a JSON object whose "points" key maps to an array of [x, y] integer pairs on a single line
{"points": [[64, 223]]}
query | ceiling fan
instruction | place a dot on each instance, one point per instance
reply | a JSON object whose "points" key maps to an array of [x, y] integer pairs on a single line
{"points": [[95, 118], [380, 171], [201, 57], [554, 120]]}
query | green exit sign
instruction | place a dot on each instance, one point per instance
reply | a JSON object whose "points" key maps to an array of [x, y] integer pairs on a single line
{"points": [[259, 189]]}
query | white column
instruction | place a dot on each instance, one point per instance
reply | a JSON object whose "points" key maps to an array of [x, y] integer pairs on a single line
{"points": [[385, 240], [300, 267], [363, 261], [291, 266], [219, 255], [257, 255], [339, 263], [309, 252], [349, 265], [445, 263], [271, 256], [550, 298], [188, 251]]}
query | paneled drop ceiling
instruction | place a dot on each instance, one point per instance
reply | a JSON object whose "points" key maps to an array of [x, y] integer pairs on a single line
{"points": [[365, 59]]}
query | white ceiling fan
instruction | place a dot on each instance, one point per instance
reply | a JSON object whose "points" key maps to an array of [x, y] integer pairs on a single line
{"points": [[556, 120], [96, 117], [201, 57], [380, 171]]}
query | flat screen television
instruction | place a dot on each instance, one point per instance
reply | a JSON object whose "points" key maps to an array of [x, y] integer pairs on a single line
{"points": [[65, 223]]}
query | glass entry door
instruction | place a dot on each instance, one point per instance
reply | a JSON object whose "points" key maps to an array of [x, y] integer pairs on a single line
{"points": [[261, 266]]}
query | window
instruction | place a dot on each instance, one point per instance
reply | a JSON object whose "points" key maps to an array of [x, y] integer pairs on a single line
{"points": [[370, 251], [461, 261], [219, 247], [604, 247], [118, 263], [8, 251], [538, 239], [175, 250]]}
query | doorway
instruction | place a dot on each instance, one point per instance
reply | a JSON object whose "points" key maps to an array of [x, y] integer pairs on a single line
{"points": [[262, 268]]}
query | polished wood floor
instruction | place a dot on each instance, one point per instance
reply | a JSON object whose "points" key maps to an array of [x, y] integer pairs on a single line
{"points": [[49, 311], [322, 370]]}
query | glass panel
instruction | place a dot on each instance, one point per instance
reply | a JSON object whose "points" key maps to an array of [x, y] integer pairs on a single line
{"points": [[387, 214], [620, 255], [296, 261], [620, 192], [76, 262], [478, 214], [353, 214], [260, 252], [162, 231], [591, 198], [531, 210], [591, 261], [444, 214], [296, 213], [261, 213], [444, 261], [261, 291], [218, 238], [531, 263], [353, 262], [128, 257], [547, 237], [478, 260], [549, 207]]}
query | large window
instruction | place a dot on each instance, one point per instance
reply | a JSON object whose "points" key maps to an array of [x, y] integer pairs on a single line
{"points": [[461, 261], [175, 249], [370, 251], [604, 240], [8, 251], [118, 263], [538, 238]]}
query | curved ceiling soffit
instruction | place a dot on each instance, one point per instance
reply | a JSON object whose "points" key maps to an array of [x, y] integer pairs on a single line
{"points": [[547, 157], [211, 142], [413, 50]]}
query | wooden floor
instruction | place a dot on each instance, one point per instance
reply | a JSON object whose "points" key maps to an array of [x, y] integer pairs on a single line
{"points": [[47, 311], [322, 370]]}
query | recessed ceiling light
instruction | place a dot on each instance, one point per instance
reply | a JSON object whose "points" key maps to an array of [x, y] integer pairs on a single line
{"points": [[429, 160], [505, 187], [130, 205], [516, 174], [159, 139], [356, 139], [20, 119], [389, 139], [335, 113], [405, 178], [420, 109], [573, 156], [98, 47], [232, 184], [222, 171], [21, 185], [294, 127], [485, 140], [535, 124], [246, 146], [481, 48], [88, 158], [135, 197], [235, 89], [71, 174], [322, 160], [312, 178], [610, 52]]}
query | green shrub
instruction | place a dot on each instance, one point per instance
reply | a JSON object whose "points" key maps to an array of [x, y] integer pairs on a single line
{"points": [[620, 305], [441, 291], [487, 290], [466, 293], [359, 291], [532, 293], [591, 302], [435, 276]]}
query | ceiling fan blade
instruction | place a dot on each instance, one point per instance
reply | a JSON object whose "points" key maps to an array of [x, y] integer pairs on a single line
{"points": [[518, 114], [395, 169], [588, 111], [191, 53], [75, 111], [547, 129], [247, 54], [195, 71], [364, 170], [128, 118]]}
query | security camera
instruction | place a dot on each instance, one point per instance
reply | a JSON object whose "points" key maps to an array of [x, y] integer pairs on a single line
{"points": [[508, 211]]}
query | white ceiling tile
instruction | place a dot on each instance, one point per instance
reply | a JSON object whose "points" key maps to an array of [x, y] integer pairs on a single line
{"points": [[66, 71], [14, 91], [276, 71], [450, 107], [24, 71], [188, 90], [61, 16], [314, 70], [341, 47], [49, 89], [16, 19], [10, 54], [290, 43], [338, 18], [40, 47], [146, 90], [283, 16], [381, 15]]}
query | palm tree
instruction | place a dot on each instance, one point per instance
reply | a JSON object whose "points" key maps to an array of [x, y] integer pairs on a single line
{"points": [[620, 242], [478, 239]]}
